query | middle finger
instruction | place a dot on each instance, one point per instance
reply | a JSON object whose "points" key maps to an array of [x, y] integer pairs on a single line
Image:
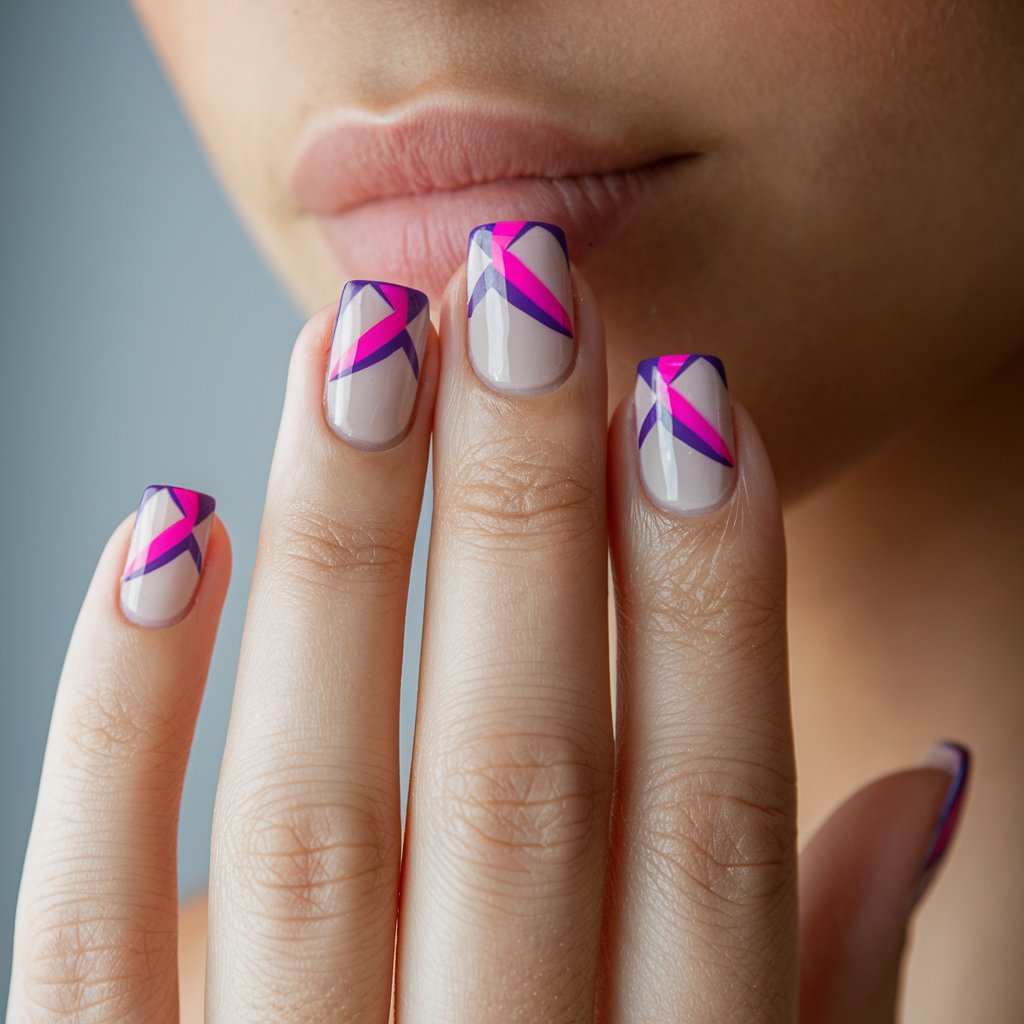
{"points": [[512, 764]]}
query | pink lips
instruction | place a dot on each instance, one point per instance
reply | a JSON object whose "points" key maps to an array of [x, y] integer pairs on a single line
{"points": [[397, 197]]}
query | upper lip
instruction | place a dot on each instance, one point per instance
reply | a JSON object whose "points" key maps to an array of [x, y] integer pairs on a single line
{"points": [[350, 159]]}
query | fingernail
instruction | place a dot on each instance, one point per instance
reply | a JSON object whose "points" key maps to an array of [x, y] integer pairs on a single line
{"points": [[684, 432], [520, 306], [374, 367], [955, 759], [165, 556]]}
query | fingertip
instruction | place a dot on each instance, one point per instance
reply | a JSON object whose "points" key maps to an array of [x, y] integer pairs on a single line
{"points": [[453, 296], [429, 374], [362, 371], [104, 602], [528, 330], [589, 330], [304, 385], [750, 508], [452, 319], [875, 841], [314, 339], [953, 761], [756, 487], [216, 574]]}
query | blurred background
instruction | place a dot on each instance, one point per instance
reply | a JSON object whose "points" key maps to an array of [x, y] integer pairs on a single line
{"points": [[132, 307]]}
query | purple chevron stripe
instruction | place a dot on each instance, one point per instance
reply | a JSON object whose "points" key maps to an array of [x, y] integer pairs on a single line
{"points": [[511, 279], [176, 539], [674, 412]]}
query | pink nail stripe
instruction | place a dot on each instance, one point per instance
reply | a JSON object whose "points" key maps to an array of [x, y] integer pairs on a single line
{"points": [[513, 279], [674, 412], [178, 538], [387, 335]]}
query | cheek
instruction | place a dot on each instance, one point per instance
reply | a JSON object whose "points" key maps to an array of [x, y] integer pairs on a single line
{"points": [[241, 71], [816, 67], [848, 245], [855, 222]]}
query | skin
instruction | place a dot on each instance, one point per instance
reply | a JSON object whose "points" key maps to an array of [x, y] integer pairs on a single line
{"points": [[815, 126], [849, 242], [528, 889]]}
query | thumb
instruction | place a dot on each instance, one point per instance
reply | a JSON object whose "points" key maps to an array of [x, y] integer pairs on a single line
{"points": [[861, 877]]}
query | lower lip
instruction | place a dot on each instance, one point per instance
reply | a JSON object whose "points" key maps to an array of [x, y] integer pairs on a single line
{"points": [[419, 240]]}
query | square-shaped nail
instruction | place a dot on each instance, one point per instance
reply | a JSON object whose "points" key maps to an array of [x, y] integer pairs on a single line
{"points": [[520, 309], [684, 431], [165, 555], [374, 367]]}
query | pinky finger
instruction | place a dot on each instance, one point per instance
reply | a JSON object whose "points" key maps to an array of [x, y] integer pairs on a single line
{"points": [[96, 927]]}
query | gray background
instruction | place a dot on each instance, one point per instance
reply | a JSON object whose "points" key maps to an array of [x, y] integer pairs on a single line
{"points": [[131, 303]]}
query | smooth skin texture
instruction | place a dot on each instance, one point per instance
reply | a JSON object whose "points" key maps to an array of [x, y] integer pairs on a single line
{"points": [[848, 241], [854, 218], [522, 804]]}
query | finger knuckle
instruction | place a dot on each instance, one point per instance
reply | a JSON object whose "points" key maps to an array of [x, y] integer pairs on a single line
{"points": [[314, 546], [87, 963], [301, 864], [536, 491], [724, 835], [113, 734], [514, 803], [696, 597]]}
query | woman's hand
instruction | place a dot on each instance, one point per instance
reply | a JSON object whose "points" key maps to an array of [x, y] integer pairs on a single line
{"points": [[551, 871]]}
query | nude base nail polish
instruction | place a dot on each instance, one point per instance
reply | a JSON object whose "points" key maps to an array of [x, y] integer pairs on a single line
{"points": [[520, 307], [165, 555], [684, 432], [373, 371]]}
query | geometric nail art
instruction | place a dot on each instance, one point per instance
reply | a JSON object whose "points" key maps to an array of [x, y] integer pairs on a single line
{"points": [[165, 555], [374, 366], [519, 304], [389, 334], [685, 431]]}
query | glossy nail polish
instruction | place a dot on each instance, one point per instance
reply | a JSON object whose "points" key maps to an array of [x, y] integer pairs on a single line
{"points": [[955, 759], [684, 432], [520, 309], [374, 367], [165, 555]]}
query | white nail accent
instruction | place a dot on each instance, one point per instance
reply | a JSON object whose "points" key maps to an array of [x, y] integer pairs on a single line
{"points": [[165, 555], [374, 367], [685, 432], [520, 306]]}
